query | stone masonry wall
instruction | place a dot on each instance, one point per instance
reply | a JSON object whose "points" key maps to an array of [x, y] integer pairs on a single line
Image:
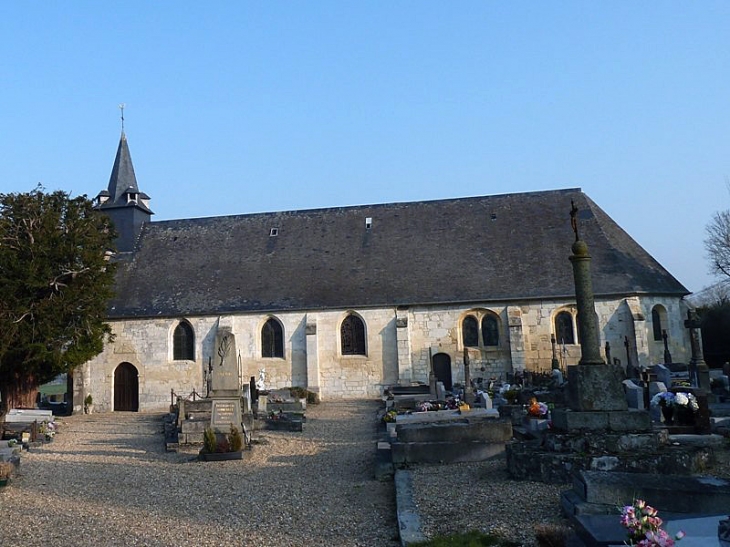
{"points": [[147, 344]]}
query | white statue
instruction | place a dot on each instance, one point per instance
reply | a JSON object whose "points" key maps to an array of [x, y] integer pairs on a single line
{"points": [[261, 382]]}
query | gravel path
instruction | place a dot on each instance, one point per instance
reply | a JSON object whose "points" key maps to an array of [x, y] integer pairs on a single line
{"points": [[106, 481]]}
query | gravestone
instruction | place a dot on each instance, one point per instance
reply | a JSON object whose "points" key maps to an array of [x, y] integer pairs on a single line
{"points": [[484, 400], [634, 395], [246, 397], [225, 384], [654, 411], [557, 377], [663, 375]]}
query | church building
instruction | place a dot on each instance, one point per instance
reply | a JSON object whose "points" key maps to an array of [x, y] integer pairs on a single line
{"points": [[345, 301]]}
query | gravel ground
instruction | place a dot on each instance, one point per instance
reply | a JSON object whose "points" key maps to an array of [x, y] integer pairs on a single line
{"points": [[106, 480], [479, 496]]}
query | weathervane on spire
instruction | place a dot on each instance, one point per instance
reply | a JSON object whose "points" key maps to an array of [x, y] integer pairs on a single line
{"points": [[121, 107]]}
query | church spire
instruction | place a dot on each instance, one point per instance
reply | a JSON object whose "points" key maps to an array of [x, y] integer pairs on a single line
{"points": [[122, 200], [122, 182]]}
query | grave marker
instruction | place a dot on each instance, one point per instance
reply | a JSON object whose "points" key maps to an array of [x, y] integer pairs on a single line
{"points": [[225, 384]]}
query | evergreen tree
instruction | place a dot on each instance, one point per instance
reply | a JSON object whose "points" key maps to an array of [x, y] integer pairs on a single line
{"points": [[55, 282]]}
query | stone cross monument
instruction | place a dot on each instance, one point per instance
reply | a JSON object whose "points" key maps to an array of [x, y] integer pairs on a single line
{"points": [[698, 369], [592, 385]]}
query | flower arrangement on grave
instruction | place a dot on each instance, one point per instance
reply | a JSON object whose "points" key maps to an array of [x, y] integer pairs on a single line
{"points": [[537, 409], [47, 429], [645, 527], [390, 416], [680, 399], [663, 398], [424, 406]]}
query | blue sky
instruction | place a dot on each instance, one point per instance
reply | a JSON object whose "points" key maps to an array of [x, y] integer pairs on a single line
{"points": [[238, 107]]}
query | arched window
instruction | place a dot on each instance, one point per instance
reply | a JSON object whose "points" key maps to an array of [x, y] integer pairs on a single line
{"points": [[656, 323], [352, 335], [183, 342], [272, 339], [470, 331], [490, 330], [564, 328]]}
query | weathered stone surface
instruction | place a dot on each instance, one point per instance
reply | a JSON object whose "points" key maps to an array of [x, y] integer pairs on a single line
{"points": [[483, 430], [596, 388], [674, 493], [627, 420], [447, 416], [444, 452], [531, 461]]}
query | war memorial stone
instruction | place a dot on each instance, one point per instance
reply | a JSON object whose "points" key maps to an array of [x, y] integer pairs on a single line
{"points": [[225, 384]]}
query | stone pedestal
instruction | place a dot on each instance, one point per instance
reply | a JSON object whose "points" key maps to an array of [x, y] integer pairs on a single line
{"points": [[618, 420], [596, 388]]}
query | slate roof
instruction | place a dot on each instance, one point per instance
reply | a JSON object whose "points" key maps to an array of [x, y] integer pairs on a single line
{"points": [[468, 250], [122, 181]]}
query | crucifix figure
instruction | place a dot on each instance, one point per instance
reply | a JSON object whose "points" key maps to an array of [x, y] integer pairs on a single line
{"points": [[574, 219]]}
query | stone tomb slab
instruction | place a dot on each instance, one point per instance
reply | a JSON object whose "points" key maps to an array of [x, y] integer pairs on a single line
{"points": [[497, 431], [446, 416], [672, 493]]}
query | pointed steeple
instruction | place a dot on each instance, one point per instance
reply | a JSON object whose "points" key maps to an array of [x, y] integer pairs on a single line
{"points": [[122, 180], [122, 200], [123, 190]]}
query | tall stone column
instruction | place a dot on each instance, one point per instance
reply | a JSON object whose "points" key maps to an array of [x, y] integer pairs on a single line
{"points": [[590, 339], [592, 384]]}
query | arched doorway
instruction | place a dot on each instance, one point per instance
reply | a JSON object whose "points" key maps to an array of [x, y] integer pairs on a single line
{"points": [[442, 369], [126, 388]]}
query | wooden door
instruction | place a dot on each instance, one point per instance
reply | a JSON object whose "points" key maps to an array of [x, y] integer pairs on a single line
{"points": [[442, 370], [126, 388]]}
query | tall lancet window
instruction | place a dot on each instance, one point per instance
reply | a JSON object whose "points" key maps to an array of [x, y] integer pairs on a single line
{"points": [[183, 342], [272, 339], [564, 332], [470, 331], [352, 336]]}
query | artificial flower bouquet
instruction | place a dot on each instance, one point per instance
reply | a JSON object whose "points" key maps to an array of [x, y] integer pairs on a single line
{"points": [[645, 526], [666, 398], [537, 409]]}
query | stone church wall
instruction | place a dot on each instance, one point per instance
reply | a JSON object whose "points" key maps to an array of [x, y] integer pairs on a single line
{"points": [[393, 336]]}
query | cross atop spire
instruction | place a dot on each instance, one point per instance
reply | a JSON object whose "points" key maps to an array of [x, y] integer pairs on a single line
{"points": [[121, 107]]}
